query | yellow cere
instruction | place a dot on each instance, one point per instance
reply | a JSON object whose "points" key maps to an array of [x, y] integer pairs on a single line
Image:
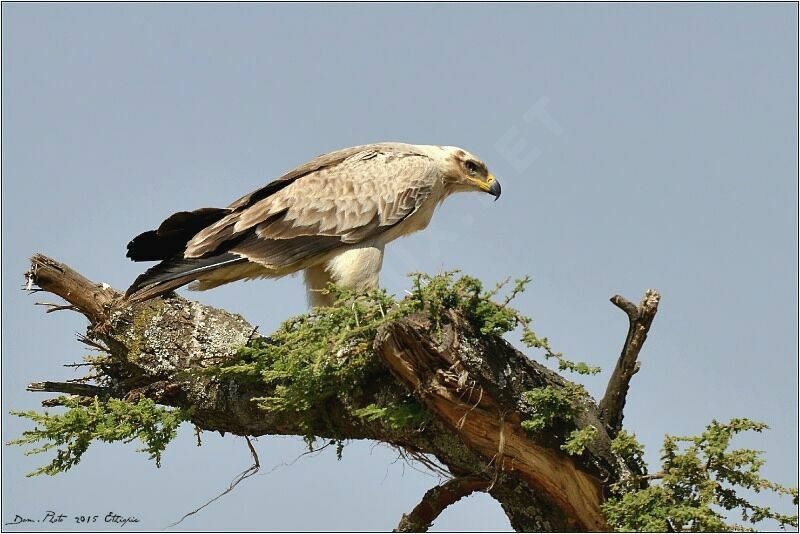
{"points": [[484, 185]]}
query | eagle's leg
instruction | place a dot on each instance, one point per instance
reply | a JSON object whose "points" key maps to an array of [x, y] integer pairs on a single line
{"points": [[356, 268], [317, 279]]}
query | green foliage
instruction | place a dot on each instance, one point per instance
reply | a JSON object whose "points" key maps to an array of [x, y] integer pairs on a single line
{"points": [[318, 358], [467, 295], [550, 404], [626, 445], [700, 478], [312, 362], [510, 319], [401, 416], [530, 339], [113, 420], [579, 439], [315, 359], [437, 294]]}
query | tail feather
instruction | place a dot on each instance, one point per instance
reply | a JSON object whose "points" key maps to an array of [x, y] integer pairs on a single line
{"points": [[174, 273], [172, 235]]}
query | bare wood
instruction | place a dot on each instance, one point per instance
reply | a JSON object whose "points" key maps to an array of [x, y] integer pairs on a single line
{"points": [[640, 318], [72, 388], [89, 298], [51, 307], [488, 426], [435, 501]]}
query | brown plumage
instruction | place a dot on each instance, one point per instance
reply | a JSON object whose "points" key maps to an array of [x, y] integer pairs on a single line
{"points": [[330, 217]]}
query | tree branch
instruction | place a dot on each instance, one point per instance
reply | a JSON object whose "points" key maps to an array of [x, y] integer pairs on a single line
{"points": [[472, 384], [640, 318], [72, 388], [455, 386], [89, 298], [435, 501]]}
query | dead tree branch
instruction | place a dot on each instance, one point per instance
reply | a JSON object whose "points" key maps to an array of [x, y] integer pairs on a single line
{"points": [[640, 318], [71, 388], [91, 299]]}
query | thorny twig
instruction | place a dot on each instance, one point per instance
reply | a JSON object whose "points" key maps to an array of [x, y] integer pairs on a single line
{"points": [[76, 365], [253, 333], [250, 471], [56, 307], [312, 451], [91, 343]]}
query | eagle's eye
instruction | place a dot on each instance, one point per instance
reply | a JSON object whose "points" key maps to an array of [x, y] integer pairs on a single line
{"points": [[471, 167]]}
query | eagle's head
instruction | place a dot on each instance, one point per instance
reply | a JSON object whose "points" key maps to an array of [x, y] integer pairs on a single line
{"points": [[463, 171]]}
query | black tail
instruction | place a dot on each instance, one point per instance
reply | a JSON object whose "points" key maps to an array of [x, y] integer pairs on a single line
{"points": [[168, 244], [174, 273], [172, 235]]}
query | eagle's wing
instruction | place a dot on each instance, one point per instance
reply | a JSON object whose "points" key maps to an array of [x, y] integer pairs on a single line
{"points": [[337, 199], [169, 240], [343, 200]]}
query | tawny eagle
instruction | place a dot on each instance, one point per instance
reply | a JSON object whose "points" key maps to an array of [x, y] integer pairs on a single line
{"points": [[330, 217]]}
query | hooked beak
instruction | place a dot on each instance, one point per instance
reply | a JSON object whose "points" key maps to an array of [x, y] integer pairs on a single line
{"points": [[494, 187]]}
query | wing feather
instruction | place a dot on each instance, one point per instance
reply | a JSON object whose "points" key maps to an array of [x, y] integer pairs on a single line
{"points": [[353, 197]]}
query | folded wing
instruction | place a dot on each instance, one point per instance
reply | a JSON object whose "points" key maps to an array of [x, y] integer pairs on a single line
{"points": [[336, 200]]}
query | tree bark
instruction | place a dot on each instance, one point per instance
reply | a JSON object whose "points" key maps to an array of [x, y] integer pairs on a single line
{"points": [[472, 384], [639, 318], [436, 500]]}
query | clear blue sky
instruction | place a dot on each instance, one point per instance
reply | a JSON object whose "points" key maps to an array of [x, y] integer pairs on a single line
{"points": [[639, 145]]}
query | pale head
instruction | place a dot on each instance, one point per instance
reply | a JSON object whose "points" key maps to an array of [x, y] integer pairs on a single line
{"points": [[463, 171]]}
